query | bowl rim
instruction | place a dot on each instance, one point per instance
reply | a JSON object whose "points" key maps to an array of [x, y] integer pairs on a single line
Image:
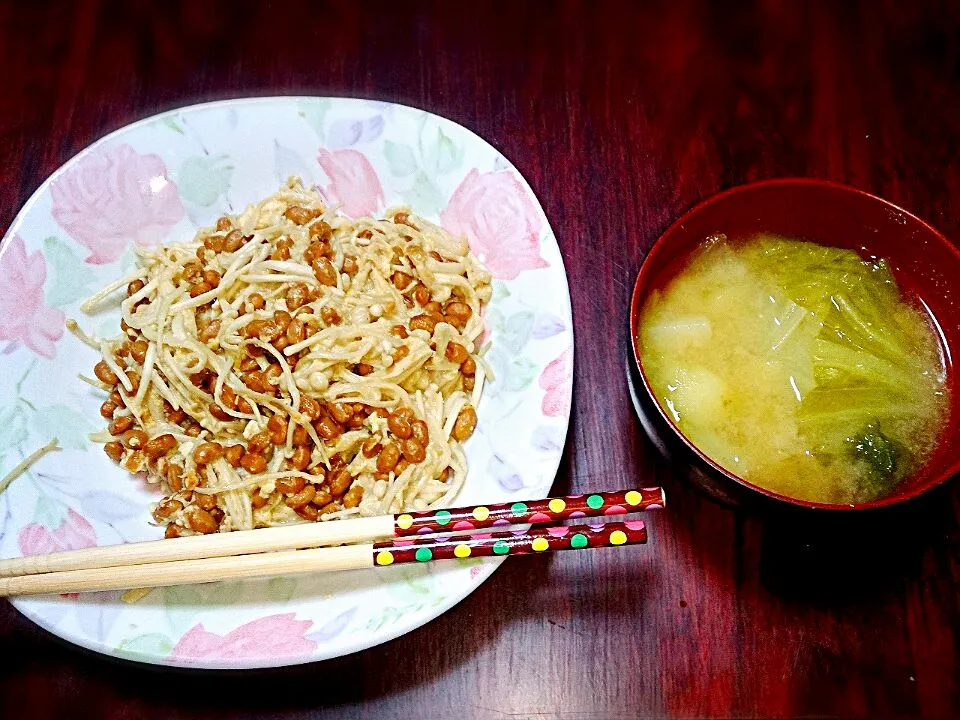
{"points": [[635, 307]]}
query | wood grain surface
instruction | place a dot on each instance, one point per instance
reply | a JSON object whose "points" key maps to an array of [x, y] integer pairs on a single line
{"points": [[621, 115]]}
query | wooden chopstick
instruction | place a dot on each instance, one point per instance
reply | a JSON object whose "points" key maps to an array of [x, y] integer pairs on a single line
{"points": [[339, 532], [329, 559], [242, 542]]}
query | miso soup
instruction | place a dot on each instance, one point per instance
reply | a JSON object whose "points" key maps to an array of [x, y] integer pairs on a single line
{"points": [[801, 368]]}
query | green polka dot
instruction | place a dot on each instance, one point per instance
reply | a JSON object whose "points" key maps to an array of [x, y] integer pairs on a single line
{"points": [[423, 554], [595, 502], [518, 508], [579, 541], [501, 547], [442, 517]]}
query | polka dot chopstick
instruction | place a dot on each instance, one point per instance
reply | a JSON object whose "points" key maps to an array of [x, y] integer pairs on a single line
{"points": [[417, 537], [533, 512], [520, 542]]}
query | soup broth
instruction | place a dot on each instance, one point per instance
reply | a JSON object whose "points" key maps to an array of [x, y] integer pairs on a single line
{"points": [[798, 367]]}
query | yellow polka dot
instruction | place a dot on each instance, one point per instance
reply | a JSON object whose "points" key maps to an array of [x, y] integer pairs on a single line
{"points": [[556, 505], [481, 513], [384, 557], [633, 498], [462, 551], [404, 521], [618, 537], [540, 544]]}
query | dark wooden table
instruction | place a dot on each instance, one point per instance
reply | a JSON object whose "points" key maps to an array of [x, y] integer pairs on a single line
{"points": [[621, 116]]}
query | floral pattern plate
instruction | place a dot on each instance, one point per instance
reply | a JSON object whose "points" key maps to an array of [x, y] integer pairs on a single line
{"points": [[159, 180]]}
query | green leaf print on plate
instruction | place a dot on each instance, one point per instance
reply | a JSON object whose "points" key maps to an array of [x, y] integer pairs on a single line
{"points": [[513, 372], [171, 122], [13, 428], [49, 512], [315, 113], [70, 278], [522, 373], [441, 154], [281, 588], [390, 615], [183, 603], [400, 157], [516, 331], [147, 645], [202, 179], [68, 426], [417, 581], [500, 291], [425, 196], [513, 369]]}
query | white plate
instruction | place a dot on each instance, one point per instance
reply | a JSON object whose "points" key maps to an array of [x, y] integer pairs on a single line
{"points": [[159, 180]]}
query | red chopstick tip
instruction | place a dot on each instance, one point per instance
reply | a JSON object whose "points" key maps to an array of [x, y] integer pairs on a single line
{"points": [[659, 503]]}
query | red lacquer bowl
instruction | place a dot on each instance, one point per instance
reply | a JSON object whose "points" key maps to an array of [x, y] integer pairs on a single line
{"points": [[923, 260]]}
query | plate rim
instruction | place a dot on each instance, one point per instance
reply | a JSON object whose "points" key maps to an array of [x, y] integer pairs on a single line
{"points": [[400, 628]]}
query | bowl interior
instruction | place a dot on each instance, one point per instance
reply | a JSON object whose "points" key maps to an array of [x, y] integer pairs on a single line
{"points": [[923, 261]]}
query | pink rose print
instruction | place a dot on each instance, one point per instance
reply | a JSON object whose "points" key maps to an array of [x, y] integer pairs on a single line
{"points": [[74, 533], [353, 181], [275, 636], [555, 380], [115, 195], [23, 316], [500, 221]]}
